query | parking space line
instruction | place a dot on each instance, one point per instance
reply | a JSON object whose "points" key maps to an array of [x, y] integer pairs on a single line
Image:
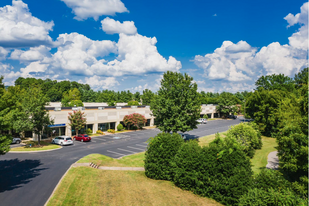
{"points": [[115, 153], [141, 145], [136, 148], [127, 150]]}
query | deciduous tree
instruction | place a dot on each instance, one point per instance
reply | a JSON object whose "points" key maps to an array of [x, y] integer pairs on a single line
{"points": [[77, 120], [177, 105], [134, 119]]}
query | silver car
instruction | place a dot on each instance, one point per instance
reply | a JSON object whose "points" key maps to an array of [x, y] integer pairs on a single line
{"points": [[202, 121], [63, 140], [16, 140]]}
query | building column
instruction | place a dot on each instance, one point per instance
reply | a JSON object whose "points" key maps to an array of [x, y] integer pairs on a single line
{"points": [[34, 137], [212, 115], [68, 131], [151, 121], [95, 128], [116, 125]]}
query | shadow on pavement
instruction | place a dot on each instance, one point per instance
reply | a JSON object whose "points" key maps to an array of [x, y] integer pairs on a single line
{"points": [[14, 173]]}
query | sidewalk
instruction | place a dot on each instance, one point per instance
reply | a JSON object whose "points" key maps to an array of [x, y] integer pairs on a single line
{"points": [[273, 160], [109, 168]]}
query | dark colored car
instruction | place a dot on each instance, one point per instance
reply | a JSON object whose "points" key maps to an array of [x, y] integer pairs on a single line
{"points": [[232, 116], [82, 138]]}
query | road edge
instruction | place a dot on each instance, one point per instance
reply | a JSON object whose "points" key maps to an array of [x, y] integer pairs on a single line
{"points": [[35, 151]]}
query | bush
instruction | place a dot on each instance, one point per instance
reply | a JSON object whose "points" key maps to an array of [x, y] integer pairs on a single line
{"points": [[205, 116], [186, 165], [247, 136], [225, 171], [89, 131], [36, 144], [276, 197], [120, 127], [268, 179], [99, 132], [160, 153], [111, 131]]}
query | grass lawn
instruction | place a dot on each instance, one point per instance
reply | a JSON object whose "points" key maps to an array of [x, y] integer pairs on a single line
{"points": [[135, 160], [47, 147], [259, 160], [204, 141], [88, 186]]}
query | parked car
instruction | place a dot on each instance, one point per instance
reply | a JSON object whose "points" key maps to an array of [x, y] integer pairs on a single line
{"points": [[82, 138], [232, 116], [202, 121], [16, 140], [63, 140]]}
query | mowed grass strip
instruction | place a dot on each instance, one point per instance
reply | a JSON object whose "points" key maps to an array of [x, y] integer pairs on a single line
{"points": [[135, 160], [204, 141], [88, 186], [259, 160], [23, 149]]}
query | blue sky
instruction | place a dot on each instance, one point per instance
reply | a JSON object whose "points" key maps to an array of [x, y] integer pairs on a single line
{"points": [[128, 45]]}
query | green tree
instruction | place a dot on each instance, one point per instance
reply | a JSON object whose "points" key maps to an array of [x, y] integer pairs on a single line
{"points": [[275, 82], [33, 115], [137, 97], [262, 106], [77, 120], [147, 97], [301, 78], [247, 136], [227, 104], [5, 139], [177, 105], [69, 97], [133, 103]]}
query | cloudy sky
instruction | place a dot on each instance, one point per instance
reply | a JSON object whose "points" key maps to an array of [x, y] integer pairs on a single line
{"points": [[128, 44]]}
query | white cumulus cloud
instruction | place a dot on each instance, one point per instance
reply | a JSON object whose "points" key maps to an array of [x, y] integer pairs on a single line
{"points": [[100, 83], [110, 26], [84, 9], [18, 28], [33, 54], [241, 62], [229, 62]]}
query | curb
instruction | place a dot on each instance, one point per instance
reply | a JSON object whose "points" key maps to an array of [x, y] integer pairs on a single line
{"points": [[57, 185], [34, 151]]}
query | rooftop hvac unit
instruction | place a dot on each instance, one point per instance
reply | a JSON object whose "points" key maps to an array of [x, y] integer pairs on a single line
{"points": [[100, 108], [57, 109], [118, 107]]}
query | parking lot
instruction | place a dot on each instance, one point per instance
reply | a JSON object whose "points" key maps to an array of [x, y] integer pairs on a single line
{"points": [[30, 178]]}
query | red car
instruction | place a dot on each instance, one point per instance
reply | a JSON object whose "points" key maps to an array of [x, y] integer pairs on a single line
{"points": [[82, 138]]}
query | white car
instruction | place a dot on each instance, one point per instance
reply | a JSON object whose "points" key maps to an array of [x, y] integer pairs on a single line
{"points": [[62, 140], [202, 121]]}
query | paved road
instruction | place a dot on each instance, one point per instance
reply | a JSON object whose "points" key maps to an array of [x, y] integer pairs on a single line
{"points": [[29, 179]]}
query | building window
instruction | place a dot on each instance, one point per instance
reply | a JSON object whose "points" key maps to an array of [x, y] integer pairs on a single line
{"points": [[106, 126]]}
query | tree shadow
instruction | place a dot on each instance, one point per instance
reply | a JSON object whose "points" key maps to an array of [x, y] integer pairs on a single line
{"points": [[16, 172]]}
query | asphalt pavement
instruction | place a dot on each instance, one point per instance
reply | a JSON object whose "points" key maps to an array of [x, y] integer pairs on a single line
{"points": [[29, 178]]}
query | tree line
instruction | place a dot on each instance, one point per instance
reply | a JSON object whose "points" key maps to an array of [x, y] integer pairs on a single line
{"points": [[71, 93]]}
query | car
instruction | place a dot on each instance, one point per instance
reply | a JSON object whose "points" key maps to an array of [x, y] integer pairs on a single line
{"points": [[82, 138], [232, 116], [184, 137], [63, 140], [16, 140], [202, 121]]}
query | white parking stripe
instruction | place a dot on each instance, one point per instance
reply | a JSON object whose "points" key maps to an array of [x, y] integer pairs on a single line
{"points": [[136, 148], [141, 145], [126, 150], [116, 153]]}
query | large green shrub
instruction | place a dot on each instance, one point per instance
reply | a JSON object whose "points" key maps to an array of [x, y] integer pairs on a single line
{"points": [[120, 127], [224, 172], [186, 165], [268, 178], [271, 188], [160, 153], [248, 137], [271, 197]]}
